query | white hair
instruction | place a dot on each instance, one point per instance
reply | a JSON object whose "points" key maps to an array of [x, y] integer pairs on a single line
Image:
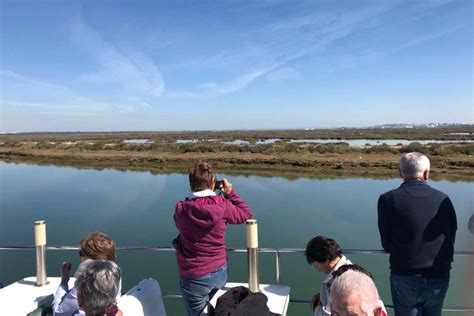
{"points": [[414, 164], [97, 283], [357, 283]]}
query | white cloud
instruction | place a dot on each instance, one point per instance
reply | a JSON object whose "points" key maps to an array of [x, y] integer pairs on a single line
{"points": [[54, 99], [213, 89], [284, 74], [240, 82], [356, 58], [130, 69], [146, 105], [184, 95], [7, 75], [275, 45], [72, 109], [207, 85]]}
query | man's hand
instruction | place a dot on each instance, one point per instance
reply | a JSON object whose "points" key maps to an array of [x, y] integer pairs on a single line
{"points": [[227, 187], [64, 271], [314, 301]]}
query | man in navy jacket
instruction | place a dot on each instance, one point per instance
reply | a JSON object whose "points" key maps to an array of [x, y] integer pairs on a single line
{"points": [[417, 227]]}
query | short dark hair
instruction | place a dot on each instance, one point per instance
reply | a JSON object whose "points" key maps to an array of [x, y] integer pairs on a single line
{"points": [[201, 176], [321, 249], [97, 246]]}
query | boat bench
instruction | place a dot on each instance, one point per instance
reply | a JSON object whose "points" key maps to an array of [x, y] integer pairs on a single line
{"points": [[24, 297]]}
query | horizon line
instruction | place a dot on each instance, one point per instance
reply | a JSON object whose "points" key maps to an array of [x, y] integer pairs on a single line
{"points": [[379, 126]]}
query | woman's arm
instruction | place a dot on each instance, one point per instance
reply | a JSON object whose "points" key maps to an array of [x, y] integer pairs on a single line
{"points": [[237, 210]]}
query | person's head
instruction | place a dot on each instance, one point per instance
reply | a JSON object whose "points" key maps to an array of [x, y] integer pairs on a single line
{"points": [[97, 283], [323, 252], [201, 177], [414, 165], [97, 246], [354, 293], [470, 224]]}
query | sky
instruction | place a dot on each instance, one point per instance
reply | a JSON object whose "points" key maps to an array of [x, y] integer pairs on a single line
{"points": [[220, 65]]}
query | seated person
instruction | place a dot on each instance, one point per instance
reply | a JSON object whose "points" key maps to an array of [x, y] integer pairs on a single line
{"points": [[95, 246], [326, 257], [98, 285], [353, 292]]}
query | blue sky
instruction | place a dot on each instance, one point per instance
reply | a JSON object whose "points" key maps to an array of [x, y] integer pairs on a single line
{"points": [[194, 65]]}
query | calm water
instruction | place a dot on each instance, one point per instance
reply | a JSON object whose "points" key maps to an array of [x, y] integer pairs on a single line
{"points": [[351, 142], [377, 142], [137, 141], [136, 209]]}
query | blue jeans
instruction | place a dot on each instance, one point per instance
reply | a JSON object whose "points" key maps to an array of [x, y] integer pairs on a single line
{"points": [[196, 291], [416, 295]]}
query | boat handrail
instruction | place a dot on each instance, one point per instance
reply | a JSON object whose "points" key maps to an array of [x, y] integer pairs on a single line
{"points": [[276, 251], [263, 250]]}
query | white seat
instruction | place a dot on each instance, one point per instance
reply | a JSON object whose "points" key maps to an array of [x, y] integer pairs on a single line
{"points": [[143, 299]]}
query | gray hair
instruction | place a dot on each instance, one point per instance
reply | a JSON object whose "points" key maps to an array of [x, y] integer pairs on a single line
{"points": [[357, 283], [97, 284], [414, 164]]}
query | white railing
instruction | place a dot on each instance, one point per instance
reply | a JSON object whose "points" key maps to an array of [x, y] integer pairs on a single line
{"points": [[276, 251]]}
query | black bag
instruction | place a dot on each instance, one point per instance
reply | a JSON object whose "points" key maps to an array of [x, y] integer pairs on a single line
{"points": [[239, 301], [175, 243]]}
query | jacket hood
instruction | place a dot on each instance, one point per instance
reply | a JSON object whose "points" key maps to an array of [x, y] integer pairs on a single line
{"points": [[204, 211]]}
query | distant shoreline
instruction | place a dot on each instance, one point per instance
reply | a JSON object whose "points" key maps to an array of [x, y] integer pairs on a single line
{"points": [[324, 166], [164, 154], [460, 132]]}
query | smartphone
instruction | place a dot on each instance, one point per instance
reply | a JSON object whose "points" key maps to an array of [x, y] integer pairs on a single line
{"points": [[219, 185]]}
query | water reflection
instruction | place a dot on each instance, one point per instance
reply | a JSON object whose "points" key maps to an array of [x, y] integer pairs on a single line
{"points": [[136, 209], [266, 173]]}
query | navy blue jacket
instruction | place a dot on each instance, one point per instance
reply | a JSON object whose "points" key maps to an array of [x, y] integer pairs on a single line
{"points": [[417, 226]]}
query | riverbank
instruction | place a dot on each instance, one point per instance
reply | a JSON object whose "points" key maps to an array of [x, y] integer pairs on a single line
{"points": [[249, 152], [307, 165]]}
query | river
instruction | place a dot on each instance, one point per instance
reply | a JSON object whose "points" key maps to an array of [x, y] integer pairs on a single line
{"points": [[136, 209]]}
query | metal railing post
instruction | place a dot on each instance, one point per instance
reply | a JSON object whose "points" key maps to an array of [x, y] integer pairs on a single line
{"points": [[252, 255], [40, 244], [277, 267]]}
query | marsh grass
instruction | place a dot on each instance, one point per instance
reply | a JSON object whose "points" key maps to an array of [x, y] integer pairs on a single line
{"points": [[162, 152]]}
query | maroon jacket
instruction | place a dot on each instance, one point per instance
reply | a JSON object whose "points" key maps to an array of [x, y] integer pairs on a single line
{"points": [[201, 223]]}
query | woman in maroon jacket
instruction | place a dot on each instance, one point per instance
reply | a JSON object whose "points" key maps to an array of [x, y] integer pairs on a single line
{"points": [[201, 220]]}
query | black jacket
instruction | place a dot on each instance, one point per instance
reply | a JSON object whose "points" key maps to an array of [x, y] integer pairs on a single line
{"points": [[417, 226]]}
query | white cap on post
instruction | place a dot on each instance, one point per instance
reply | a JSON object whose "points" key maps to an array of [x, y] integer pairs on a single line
{"points": [[252, 233], [40, 233]]}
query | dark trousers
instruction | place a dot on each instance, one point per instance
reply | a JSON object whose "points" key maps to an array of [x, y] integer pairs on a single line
{"points": [[417, 295]]}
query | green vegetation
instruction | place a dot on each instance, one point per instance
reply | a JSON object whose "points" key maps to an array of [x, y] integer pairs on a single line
{"points": [[162, 151], [278, 147], [453, 133]]}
